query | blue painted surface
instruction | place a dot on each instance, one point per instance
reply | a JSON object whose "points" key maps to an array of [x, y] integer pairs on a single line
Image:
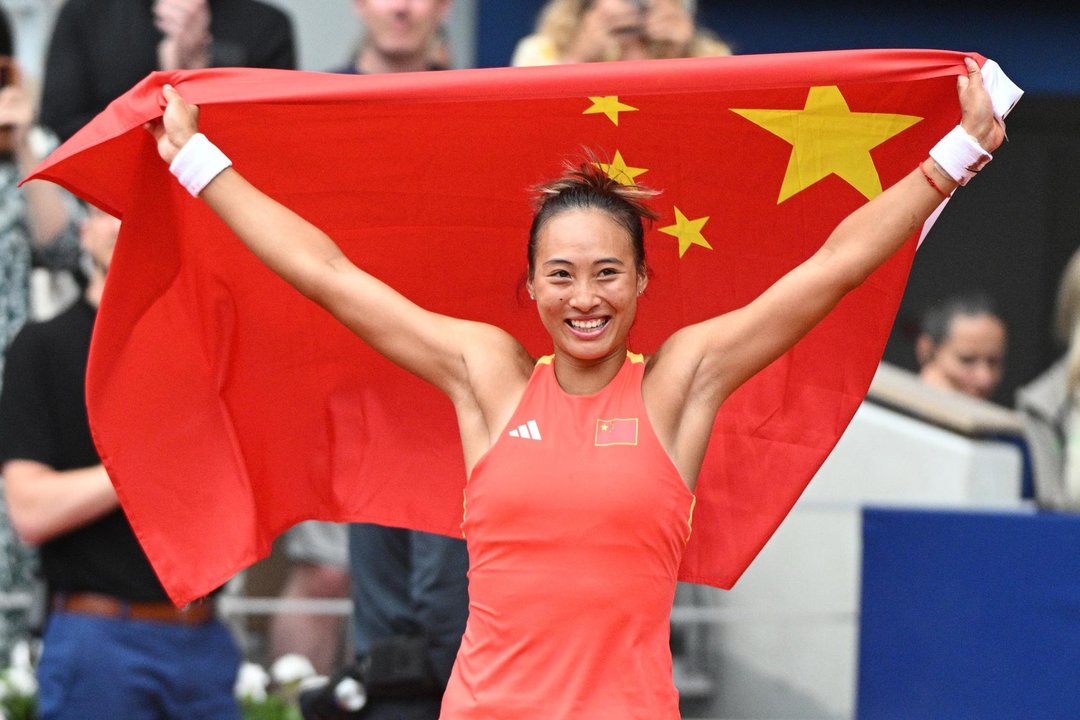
{"points": [[969, 615]]}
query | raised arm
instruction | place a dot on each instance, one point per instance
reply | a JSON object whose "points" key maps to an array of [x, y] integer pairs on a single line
{"points": [[435, 347], [702, 364]]}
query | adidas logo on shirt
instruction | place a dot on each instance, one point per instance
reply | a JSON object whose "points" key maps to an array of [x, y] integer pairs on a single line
{"points": [[528, 431]]}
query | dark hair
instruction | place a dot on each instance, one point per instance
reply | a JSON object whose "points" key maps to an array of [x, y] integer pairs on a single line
{"points": [[585, 184], [7, 44], [937, 320]]}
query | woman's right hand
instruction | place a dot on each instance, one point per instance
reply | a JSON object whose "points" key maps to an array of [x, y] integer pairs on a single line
{"points": [[177, 125]]}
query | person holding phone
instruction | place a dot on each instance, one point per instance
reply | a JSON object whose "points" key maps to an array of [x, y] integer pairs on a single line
{"points": [[571, 31]]}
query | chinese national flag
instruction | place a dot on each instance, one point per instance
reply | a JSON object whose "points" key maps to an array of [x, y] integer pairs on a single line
{"points": [[227, 407]]}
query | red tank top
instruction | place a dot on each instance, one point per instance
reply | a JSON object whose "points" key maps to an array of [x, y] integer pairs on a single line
{"points": [[576, 520]]}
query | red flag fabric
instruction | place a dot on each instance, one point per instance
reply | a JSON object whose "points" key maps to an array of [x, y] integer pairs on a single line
{"points": [[226, 407]]}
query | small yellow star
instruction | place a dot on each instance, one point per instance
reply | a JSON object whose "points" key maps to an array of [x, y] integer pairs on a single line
{"points": [[687, 231], [604, 427], [610, 106], [619, 171], [827, 138]]}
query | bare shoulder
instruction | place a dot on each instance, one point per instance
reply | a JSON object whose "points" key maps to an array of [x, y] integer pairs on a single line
{"points": [[682, 394], [496, 363], [497, 370], [678, 360], [687, 373]]}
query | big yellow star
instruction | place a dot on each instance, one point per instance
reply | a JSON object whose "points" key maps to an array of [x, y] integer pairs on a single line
{"points": [[687, 231], [610, 106], [826, 138], [619, 171]]}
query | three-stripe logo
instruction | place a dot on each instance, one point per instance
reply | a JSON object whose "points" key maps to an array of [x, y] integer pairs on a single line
{"points": [[528, 431]]}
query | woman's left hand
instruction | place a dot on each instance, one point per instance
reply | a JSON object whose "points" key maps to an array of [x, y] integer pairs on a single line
{"points": [[977, 113]]}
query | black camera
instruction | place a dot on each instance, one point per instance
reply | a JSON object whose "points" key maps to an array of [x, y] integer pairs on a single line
{"points": [[394, 668]]}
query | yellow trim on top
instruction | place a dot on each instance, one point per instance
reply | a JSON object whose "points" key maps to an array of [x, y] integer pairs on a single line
{"points": [[636, 358], [690, 518], [464, 511]]}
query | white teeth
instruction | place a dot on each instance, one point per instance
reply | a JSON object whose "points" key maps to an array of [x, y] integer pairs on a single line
{"points": [[587, 324]]}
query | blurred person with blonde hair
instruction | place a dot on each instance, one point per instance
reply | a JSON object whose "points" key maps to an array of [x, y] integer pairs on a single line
{"points": [[1050, 406], [570, 31]]}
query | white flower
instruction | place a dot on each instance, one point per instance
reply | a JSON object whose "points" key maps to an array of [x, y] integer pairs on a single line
{"points": [[20, 681], [20, 655], [251, 682], [291, 668]]}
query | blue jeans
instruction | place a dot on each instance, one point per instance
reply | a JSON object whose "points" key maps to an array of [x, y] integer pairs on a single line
{"points": [[406, 582], [120, 669]]}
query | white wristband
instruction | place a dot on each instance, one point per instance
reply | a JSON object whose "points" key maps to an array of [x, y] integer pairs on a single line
{"points": [[197, 163], [960, 155]]}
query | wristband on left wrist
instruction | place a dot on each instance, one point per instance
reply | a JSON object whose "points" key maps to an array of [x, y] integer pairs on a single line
{"points": [[960, 156]]}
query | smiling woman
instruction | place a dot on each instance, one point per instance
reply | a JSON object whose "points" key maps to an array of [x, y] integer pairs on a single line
{"points": [[581, 464]]}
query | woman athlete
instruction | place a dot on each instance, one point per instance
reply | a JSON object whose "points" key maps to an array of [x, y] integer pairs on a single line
{"points": [[581, 465]]}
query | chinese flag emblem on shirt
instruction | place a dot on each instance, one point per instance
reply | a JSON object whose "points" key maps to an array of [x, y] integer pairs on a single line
{"points": [[227, 407], [616, 431]]}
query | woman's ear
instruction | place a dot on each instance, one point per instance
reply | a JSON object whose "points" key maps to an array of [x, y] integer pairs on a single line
{"points": [[924, 349], [529, 287], [642, 282]]}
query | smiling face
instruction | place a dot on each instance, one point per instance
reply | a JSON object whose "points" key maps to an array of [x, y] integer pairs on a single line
{"points": [[585, 281]]}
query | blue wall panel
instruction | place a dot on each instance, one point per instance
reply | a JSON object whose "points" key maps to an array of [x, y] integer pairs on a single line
{"points": [[969, 615]]}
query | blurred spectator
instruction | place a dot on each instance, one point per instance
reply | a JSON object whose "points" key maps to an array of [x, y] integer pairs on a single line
{"points": [[36, 227], [114, 647], [570, 31], [410, 592], [961, 346], [101, 48], [400, 36], [1050, 408], [318, 555]]}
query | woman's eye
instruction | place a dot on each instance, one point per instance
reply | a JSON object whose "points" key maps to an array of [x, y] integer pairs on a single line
{"points": [[607, 272], [559, 274]]}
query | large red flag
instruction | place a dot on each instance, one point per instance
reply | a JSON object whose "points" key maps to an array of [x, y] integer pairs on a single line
{"points": [[227, 407]]}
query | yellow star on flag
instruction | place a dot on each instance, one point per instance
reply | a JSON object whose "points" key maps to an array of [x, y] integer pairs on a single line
{"points": [[610, 106], [827, 138], [687, 231], [619, 171]]}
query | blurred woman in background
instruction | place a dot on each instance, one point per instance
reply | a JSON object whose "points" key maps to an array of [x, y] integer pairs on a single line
{"points": [[571, 31], [1050, 406]]}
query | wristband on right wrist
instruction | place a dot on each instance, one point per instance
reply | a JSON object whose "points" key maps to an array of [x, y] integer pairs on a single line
{"points": [[197, 163], [960, 155]]}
